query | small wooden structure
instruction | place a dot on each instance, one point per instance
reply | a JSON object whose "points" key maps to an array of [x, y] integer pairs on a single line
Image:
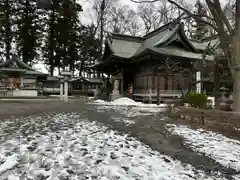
{"points": [[51, 86], [85, 86], [19, 79], [138, 60]]}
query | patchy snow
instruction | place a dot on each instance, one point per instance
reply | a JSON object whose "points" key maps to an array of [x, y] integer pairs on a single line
{"points": [[127, 102], [9, 163], [128, 109], [212, 100], [54, 95], [67, 146], [128, 115], [236, 177], [126, 121], [13, 177], [99, 101], [223, 150], [236, 129]]}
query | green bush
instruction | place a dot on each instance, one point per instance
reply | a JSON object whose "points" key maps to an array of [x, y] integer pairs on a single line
{"points": [[197, 100]]}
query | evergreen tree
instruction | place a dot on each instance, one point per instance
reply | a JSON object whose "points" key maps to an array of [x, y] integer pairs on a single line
{"points": [[49, 42], [89, 50], [66, 28], [61, 47], [7, 7], [27, 35]]}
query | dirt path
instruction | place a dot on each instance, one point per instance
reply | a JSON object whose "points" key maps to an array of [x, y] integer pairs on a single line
{"points": [[148, 129]]}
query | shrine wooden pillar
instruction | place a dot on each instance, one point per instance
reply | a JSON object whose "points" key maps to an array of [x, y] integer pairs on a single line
{"points": [[153, 75], [122, 81]]}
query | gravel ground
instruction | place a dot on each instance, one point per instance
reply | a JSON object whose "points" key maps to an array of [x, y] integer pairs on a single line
{"points": [[148, 128]]}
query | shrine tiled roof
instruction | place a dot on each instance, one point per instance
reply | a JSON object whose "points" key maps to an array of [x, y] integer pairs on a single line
{"points": [[89, 80], [124, 46], [161, 41], [202, 45], [16, 65]]}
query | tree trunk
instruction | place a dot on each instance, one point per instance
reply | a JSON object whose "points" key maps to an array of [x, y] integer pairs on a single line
{"points": [[217, 89], [236, 92], [236, 61], [81, 69], [59, 70], [51, 39], [7, 30]]}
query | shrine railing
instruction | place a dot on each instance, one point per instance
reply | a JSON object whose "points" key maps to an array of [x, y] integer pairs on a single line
{"points": [[143, 92]]}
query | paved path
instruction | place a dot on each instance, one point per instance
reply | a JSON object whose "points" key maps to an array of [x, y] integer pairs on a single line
{"points": [[149, 129]]}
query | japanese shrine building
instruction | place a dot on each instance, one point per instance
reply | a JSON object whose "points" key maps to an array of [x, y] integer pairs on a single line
{"points": [[19, 79], [138, 59]]}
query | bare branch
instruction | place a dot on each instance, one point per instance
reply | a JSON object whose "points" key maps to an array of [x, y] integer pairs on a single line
{"points": [[197, 17]]}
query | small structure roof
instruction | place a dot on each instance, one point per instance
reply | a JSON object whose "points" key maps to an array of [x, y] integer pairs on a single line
{"points": [[89, 80], [16, 65], [52, 78], [169, 39]]}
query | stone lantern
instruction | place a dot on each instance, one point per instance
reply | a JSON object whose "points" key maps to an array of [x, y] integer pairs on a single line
{"points": [[66, 76], [115, 93], [224, 105]]}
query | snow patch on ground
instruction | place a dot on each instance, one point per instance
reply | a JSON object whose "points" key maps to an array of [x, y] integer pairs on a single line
{"points": [[128, 115], [99, 101], [128, 102], [9, 162], [125, 101], [236, 177], [13, 177], [126, 121], [223, 150], [212, 100], [67, 146], [128, 109]]}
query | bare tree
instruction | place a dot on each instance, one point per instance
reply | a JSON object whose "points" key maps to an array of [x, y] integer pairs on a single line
{"points": [[146, 14], [155, 15], [132, 23], [177, 71], [117, 19], [101, 14]]}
